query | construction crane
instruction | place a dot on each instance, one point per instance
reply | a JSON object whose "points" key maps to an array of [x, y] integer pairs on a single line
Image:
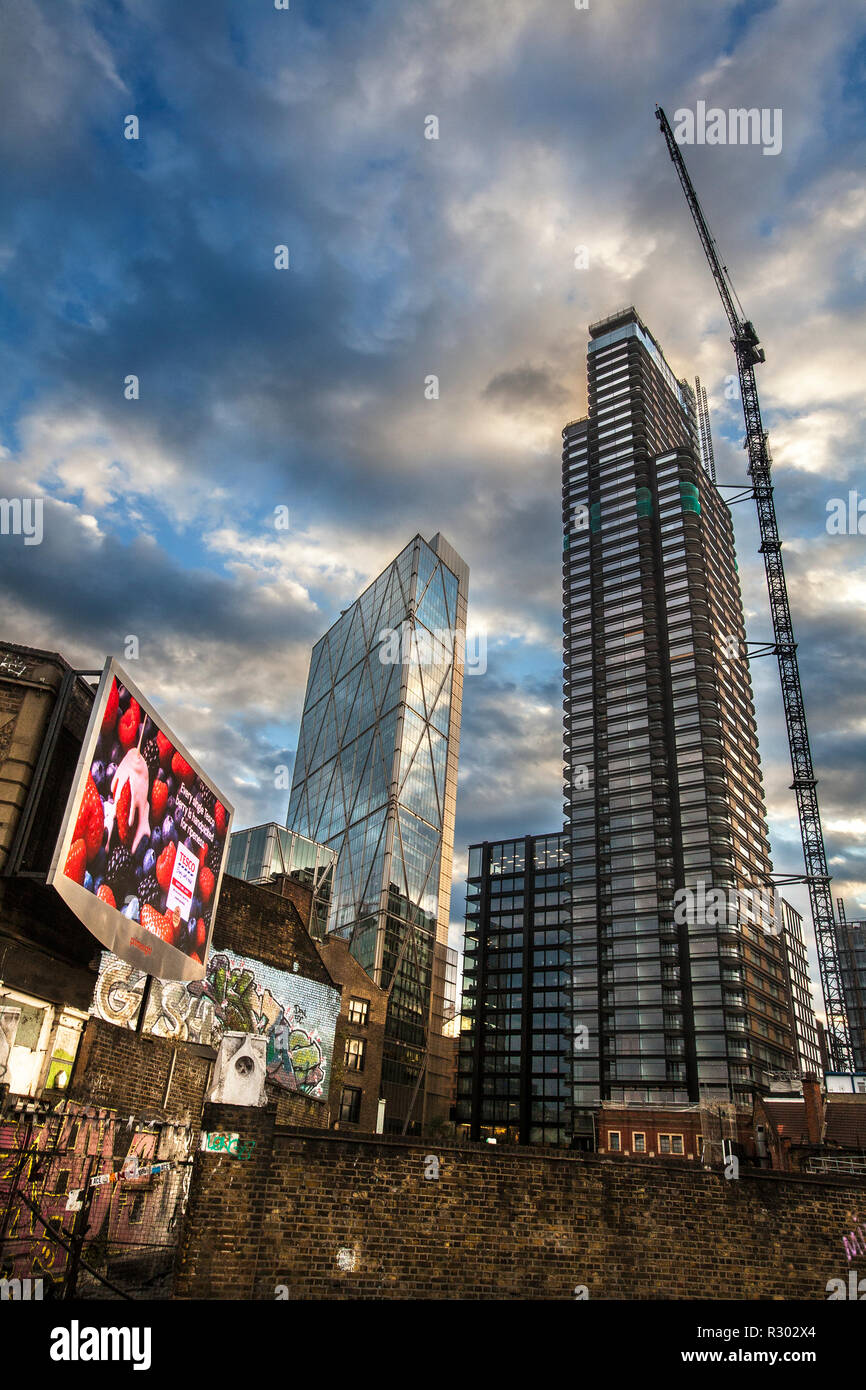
{"points": [[749, 353]]}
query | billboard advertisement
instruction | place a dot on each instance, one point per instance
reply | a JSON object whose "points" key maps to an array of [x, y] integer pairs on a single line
{"points": [[143, 844]]}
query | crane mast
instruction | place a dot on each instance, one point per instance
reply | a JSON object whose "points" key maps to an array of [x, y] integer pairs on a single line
{"points": [[706, 433], [748, 354]]}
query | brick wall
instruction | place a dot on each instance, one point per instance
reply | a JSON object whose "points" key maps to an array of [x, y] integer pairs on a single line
{"points": [[331, 1216], [140, 1074], [255, 922], [301, 894]]}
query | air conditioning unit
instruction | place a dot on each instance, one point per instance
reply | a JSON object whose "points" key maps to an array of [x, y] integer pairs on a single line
{"points": [[241, 1067]]}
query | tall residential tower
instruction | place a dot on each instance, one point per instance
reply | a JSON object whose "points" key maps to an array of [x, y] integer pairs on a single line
{"points": [[663, 782], [376, 779]]}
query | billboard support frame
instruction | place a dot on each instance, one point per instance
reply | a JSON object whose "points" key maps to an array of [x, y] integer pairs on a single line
{"points": [[48, 747]]}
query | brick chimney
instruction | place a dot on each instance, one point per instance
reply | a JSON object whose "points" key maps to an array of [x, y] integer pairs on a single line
{"points": [[814, 1103]]}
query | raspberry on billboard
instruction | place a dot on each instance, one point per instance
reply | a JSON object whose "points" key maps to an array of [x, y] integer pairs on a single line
{"points": [[141, 853]]}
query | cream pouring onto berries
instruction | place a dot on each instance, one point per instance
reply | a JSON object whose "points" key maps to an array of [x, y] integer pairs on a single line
{"points": [[133, 769]]}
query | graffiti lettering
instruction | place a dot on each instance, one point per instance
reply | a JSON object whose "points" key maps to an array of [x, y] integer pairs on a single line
{"points": [[118, 995], [298, 1016], [855, 1242], [63, 1147], [228, 1143], [172, 1012]]}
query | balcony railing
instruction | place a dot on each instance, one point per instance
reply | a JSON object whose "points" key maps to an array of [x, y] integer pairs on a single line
{"points": [[835, 1165]]}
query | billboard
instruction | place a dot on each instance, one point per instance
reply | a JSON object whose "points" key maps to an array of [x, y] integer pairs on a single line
{"points": [[142, 848]]}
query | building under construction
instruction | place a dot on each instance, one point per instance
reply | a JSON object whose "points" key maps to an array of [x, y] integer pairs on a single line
{"points": [[851, 937], [664, 794]]}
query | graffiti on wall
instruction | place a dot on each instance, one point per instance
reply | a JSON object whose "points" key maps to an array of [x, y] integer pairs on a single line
{"points": [[47, 1159], [298, 1016]]}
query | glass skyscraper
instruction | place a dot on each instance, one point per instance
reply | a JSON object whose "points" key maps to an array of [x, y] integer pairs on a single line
{"points": [[851, 940], [513, 1078], [375, 778], [663, 781]]}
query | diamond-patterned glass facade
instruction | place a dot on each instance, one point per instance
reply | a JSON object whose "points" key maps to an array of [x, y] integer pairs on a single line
{"points": [[376, 778]]}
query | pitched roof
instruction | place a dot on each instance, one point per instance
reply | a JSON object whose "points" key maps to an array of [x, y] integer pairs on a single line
{"points": [[789, 1117], [846, 1121]]}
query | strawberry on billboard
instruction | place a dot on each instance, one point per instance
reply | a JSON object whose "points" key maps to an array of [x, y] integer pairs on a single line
{"points": [[141, 853]]}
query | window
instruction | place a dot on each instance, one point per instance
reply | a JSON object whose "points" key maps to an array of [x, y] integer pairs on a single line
{"points": [[359, 1011], [613, 1141], [38, 1043], [670, 1143], [350, 1105], [353, 1057], [639, 1143]]}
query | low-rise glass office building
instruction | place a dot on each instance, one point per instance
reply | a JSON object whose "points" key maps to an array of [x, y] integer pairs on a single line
{"points": [[264, 853]]}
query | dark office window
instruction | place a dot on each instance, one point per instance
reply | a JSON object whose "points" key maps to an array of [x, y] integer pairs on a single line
{"points": [[359, 1011], [353, 1057], [350, 1105]]}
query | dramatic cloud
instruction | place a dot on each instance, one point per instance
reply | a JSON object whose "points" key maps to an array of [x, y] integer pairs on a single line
{"points": [[524, 387], [478, 257]]}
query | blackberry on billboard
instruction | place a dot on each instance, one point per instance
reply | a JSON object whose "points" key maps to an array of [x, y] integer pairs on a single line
{"points": [[142, 848]]}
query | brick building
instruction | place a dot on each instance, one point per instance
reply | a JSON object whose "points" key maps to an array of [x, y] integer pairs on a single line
{"points": [[704, 1132], [358, 1047], [814, 1131], [803, 1129], [358, 1042]]}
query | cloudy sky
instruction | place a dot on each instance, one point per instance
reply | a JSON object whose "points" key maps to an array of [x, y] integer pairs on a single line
{"points": [[408, 257]]}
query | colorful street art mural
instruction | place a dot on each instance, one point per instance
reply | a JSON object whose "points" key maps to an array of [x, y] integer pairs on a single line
{"points": [[298, 1016]]}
